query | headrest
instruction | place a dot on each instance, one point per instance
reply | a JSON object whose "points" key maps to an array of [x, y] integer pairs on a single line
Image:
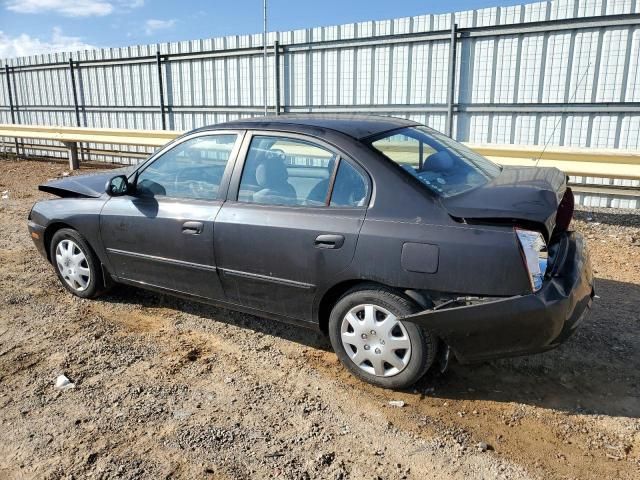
{"points": [[271, 172], [439, 162]]}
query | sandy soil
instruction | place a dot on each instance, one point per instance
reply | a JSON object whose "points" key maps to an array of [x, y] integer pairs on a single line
{"points": [[172, 389]]}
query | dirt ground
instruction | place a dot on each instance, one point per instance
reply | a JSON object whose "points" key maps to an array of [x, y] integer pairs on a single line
{"points": [[167, 388]]}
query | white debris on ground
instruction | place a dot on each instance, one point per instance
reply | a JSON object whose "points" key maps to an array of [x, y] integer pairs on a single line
{"points": [[63, 383]]}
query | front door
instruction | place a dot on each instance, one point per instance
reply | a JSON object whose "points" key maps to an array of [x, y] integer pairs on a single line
{"points": [[293, 224], [162, 234]]}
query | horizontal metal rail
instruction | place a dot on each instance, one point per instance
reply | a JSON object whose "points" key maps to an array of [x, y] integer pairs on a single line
{"points": [[583, 162], [546, 26], [611, 190], [147, 138], [108, 152], [587, 162], [568, 108]]}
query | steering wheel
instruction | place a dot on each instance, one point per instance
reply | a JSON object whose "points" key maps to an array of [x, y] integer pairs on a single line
{"points": [[204, 187]]}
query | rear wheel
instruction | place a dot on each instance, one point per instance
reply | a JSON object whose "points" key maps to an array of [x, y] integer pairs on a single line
{"points": [[77, 266], [371, 341]]}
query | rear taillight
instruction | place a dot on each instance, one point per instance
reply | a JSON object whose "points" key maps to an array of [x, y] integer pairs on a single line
{"points": [[565, 211], [534, 254]]}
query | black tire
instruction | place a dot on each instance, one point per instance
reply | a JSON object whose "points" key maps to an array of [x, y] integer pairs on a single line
{"points": [[95, 284], [423, 345]]}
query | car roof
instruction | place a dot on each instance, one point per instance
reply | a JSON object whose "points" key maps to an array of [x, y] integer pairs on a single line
{"points": [[356, 126]]}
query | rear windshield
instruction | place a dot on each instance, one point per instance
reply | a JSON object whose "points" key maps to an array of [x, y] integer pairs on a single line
{"points": [[443, 165]]}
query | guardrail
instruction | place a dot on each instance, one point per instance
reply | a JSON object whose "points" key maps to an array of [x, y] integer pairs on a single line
{"points": [[576, 162], [71, 136], [587, 162], [599, 177]]}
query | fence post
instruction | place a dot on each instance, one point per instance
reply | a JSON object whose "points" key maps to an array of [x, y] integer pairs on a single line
{"points": [[451, 79], [13, 115], [74, 92], [276, 70], [73, 155], [76, 107], [161, 85]]}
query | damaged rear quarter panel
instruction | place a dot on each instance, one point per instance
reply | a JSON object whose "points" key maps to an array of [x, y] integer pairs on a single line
{"points": [[472, 260]]}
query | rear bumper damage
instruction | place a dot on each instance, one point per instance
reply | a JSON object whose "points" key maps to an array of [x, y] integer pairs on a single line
{"points": [[522, 324]]}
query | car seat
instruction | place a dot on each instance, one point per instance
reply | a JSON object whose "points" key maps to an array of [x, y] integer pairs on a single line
{"points": [[318, 194], [272, 177]]}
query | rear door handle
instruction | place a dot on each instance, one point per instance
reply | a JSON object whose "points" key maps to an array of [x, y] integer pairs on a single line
{"points": [[329, 241], [192, 228]]}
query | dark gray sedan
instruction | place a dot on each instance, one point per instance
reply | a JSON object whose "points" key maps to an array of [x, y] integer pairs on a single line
{"points": [[400, 243]]}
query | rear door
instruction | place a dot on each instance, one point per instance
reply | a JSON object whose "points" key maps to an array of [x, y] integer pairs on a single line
{"points": [[162, 235], [291, 222]]}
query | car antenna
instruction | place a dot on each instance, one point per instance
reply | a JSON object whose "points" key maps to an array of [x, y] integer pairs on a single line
{"points": [[564, 110]]}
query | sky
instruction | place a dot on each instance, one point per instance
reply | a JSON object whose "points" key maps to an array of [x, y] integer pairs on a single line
{"points": [[28, 27]]}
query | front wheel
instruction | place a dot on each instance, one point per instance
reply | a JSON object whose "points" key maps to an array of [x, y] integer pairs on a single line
{"points": [[77, 266], [371, 341]]}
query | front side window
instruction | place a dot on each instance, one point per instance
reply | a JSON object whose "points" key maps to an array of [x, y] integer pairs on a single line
{"points": [[192, 169], [443, 165], [286, 171]]}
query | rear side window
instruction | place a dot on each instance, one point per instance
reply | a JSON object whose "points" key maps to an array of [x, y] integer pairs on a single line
{"points": [[286, 171], [350, 188], [290, 171]]}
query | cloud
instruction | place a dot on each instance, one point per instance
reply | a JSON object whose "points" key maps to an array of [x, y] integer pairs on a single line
{"points": [[128, 5], [24, 44], [73, 8], [152, 25]]}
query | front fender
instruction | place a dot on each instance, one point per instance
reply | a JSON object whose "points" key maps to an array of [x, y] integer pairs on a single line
{"points": [[80, 214]]}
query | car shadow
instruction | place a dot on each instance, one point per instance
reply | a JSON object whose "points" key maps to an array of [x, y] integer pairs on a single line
{"points": [[597, 371], [298, 334]]}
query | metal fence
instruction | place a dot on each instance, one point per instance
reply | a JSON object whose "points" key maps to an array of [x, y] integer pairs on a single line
{"points": [[564, 72]]}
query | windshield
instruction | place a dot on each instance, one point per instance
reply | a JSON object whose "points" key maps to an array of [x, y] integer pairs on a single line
{"points": [[443, 165]]}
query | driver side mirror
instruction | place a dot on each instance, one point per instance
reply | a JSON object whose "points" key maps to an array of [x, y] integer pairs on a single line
{"points": [[117, 186]]}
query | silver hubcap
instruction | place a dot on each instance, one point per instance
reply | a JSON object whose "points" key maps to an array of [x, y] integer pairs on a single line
{"points": [[375, 340], [72, 265]]}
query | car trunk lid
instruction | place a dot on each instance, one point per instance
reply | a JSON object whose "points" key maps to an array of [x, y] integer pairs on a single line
{"points": [[528, 194]]}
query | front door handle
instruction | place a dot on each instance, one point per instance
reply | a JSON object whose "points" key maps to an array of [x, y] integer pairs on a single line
{"points": [[192, 228], [329, 241]]}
